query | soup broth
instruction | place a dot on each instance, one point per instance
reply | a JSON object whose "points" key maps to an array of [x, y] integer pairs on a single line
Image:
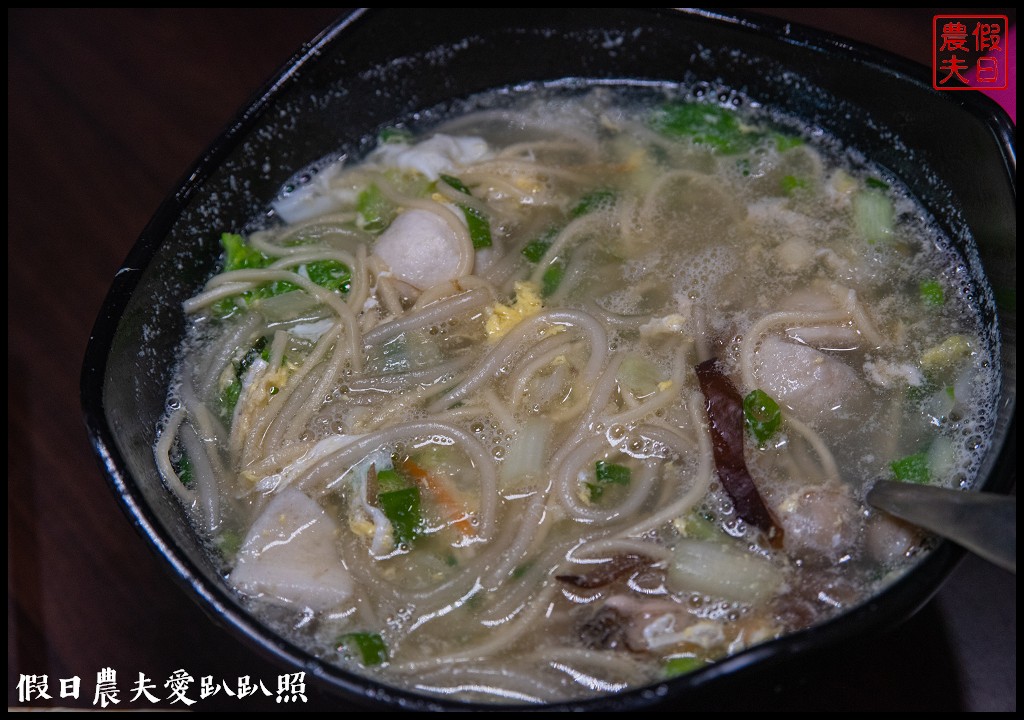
{"points": [[569, 395]]}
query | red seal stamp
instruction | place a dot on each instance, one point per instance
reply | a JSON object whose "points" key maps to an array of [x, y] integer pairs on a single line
{"points": [[969, 52]]}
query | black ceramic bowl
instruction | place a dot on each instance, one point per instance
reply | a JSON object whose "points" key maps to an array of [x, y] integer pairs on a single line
{"points": [[375, 67]]}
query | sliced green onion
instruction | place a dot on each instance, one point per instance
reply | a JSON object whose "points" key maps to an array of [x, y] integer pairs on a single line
{"points": [[932, 293], [369, 646], [606, 474], [791, 183], [913, 468], [787, 142], [698, 526], [762, 415], [683, 664], [875, 183]]}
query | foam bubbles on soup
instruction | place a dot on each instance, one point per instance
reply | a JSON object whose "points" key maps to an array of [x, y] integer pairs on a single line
{"points": [[442, 420]]}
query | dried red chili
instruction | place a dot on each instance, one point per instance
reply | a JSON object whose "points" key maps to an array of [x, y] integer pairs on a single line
{"points": [[607, 573], [724, 406]]}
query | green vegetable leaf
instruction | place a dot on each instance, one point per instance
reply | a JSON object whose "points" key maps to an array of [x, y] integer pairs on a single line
{"points": [[330, 274], [913, 468], [229, 542], [229, 399], [479, 227], [706, 125], [762, 415], [790, 183], [457, 184], [595, 200], [535, 250], [390, 481], [402, 509], [875, 183], [478, 224], [369, 646], [229, 396], [394, 135], [185, 472], [250, 356], [239, 255], [787, 142]]}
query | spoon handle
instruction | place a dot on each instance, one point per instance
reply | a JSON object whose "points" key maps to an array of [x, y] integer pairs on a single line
{"points": [[984, 523]]}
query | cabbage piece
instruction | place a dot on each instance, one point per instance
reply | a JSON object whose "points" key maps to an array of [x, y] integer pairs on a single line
{"points": [[240, 255], [434, 156], [722, 571], [874, 215], [940, 363], [290, 556], [528, 450]]}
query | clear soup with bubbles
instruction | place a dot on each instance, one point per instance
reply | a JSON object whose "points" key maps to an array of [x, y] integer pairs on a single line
{"points": [[573, 392]]}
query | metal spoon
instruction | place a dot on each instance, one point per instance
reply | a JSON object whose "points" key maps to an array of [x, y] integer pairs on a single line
{"points": [[984, 523]]}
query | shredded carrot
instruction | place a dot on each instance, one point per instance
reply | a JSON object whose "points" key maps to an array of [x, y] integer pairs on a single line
{"points": [[445, 496]]}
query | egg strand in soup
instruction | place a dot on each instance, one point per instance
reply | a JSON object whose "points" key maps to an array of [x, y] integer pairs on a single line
{"points": [[556, 401]]}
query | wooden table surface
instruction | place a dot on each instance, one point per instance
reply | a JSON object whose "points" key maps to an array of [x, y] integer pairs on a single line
{"points": [[106, 110]]}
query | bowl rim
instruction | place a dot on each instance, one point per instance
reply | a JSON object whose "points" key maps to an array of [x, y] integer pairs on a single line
{"points": [[890, 607]]}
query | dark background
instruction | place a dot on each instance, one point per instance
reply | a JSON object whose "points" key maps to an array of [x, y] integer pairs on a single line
{"points": [[106, 111]]}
